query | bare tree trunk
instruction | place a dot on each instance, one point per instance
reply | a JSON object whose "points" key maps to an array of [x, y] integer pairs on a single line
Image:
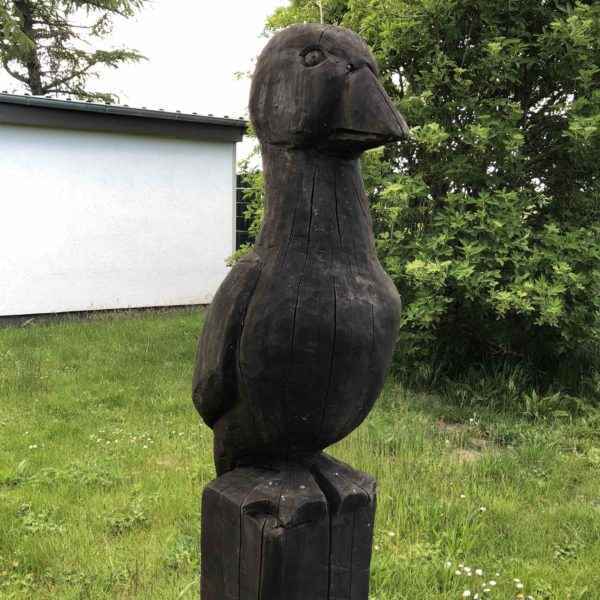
{"points": [[32, 62]]}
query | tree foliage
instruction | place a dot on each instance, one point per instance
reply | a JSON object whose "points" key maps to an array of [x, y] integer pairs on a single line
{"points": [[46, 44], [488, 216]]}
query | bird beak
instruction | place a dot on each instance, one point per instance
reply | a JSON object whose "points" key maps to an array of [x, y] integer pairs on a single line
{"points": [[366, 117]]}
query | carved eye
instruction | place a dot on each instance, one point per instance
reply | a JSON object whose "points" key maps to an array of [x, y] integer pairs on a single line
{"points": [[313, 57]]}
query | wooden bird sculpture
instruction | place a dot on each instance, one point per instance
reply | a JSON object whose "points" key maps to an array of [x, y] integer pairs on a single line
{"points": [[299, 337]]}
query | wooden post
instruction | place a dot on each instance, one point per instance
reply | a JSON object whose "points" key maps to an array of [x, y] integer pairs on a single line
{"points": [[289, 532]]}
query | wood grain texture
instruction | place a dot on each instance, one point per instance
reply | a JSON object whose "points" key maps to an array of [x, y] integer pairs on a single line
{"points": [[288, 531], [298, 340]]}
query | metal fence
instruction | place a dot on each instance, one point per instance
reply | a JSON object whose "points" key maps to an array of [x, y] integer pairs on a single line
{"points": [[241, 223]]}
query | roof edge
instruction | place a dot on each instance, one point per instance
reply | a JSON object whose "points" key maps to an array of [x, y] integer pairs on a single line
{"points": [[64, 114]]}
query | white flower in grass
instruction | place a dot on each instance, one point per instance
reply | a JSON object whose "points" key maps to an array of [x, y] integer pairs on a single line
{"points": [[466, 594], [519, 585], [491, 583], [479, 572], [448, 564]]}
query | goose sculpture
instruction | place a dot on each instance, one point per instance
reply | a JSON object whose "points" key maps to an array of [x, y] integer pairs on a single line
{"points": [[299, 336]]}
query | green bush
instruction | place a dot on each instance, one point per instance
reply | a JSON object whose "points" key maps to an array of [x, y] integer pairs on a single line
{"points": [[488, 217]]}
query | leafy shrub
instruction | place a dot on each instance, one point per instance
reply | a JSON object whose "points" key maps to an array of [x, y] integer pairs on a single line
{"points": [[488, 217]]}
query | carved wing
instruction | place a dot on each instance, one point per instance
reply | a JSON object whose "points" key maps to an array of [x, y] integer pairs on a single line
{"points": [[215, 381]]}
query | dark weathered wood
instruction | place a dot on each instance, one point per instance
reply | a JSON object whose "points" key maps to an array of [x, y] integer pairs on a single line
{"points": [[351, 497], [300, 335], [292, 531]]}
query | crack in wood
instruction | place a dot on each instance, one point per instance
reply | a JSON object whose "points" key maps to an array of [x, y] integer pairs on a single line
{"points": [[331, 361], [337, 214]]}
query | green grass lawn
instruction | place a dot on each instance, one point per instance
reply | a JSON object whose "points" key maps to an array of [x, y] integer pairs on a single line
{"points": [[103, 459]]}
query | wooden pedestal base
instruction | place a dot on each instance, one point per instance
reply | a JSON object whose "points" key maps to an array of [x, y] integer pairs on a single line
{"points": [[288, 531]]}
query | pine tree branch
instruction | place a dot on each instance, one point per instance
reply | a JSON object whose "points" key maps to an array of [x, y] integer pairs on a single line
{"points": [[73, 75], [41, 38], [98, 4], [61, 24], [15, 74]]}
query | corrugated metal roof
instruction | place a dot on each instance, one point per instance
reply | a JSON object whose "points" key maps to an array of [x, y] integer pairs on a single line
{"points": [[118, 109], [50, 112]]}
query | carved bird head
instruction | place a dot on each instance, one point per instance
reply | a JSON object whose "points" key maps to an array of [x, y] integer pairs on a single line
{"points": [[316, 86]]}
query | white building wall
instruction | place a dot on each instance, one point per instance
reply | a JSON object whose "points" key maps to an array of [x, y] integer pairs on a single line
{"points": [[102, 220]]}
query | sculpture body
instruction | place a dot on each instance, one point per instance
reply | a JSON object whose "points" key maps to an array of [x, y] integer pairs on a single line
{"points": [[300, 335]]}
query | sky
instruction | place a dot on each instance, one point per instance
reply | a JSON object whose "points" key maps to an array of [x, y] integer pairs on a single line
{"points": [[194, 50]]}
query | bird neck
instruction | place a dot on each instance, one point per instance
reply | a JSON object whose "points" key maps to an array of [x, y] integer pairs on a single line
{"points": [[314, 201]]}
